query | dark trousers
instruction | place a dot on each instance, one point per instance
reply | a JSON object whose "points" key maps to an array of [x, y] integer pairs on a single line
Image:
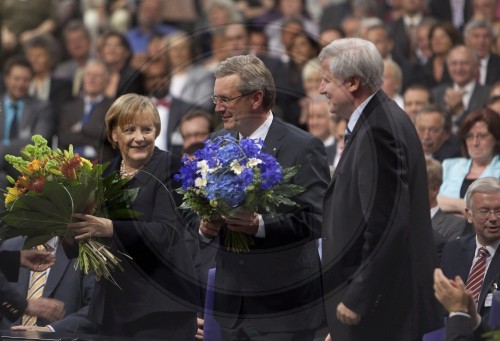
{"points": [[245, 331], [162, 325]]}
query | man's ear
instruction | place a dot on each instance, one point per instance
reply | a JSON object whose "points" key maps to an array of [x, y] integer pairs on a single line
{"points": [[353, 83], [257, 99], [468, 214]]}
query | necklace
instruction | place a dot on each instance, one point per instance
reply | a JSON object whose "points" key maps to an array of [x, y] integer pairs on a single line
{"points": [[125, 174]]}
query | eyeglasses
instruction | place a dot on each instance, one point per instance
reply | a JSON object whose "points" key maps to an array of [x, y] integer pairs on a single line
{"points": [[225, 100], [484, 213], [479, 136]]}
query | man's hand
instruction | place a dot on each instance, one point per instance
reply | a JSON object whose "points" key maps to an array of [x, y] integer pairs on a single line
{"points": [[210, 228], [47, 308], [37, 260], [454, 297], [451, 293], [199, 331], [347, 316], [243, 221], [453, 100], [31, 329]]}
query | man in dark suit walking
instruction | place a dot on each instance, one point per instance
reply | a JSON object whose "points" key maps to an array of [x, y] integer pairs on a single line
{"points": [[377, 271], [272, 292]]}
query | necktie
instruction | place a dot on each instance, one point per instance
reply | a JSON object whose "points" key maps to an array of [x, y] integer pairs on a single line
{"points": [[347, 136], [163, 102], [35, 290], [86, 114], [412, 39], [13, 126], [476, 275]]}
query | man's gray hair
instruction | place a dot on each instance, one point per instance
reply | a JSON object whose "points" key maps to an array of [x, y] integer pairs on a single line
{"points": [[483, 185], [350, 57], [254, 76], [478, 23]]}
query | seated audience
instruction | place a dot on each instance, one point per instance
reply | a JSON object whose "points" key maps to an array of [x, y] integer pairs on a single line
{"points": [[479, 137], [449, 226], [475, 258], [433, 129], [463, 95], [318, 125], [81, 122], [415, 98]]}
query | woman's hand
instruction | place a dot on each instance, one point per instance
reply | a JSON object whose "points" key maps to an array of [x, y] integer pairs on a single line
{"points": [[91, 226]]}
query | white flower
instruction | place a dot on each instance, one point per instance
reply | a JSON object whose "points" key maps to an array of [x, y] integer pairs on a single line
{"points": [[200, 182], [252, 162], [236, 167]]}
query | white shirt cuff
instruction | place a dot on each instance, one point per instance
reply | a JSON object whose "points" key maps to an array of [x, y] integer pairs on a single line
{"points": [[203, 238], [261, 232], [50, 327]]}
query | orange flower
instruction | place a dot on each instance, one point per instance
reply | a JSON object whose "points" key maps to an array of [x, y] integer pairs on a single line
{"points": [[34, 166]]}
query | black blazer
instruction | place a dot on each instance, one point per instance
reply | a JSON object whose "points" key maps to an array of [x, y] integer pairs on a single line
{"points": [[12, 304], [278, 282], [93, 133], [160, 277], [377, 231], [458, 256]]}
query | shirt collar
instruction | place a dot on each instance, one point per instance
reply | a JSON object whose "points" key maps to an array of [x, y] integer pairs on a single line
{"points": [[491, 248], [357, 113], [262, 131], [434, 211], [468, 88], [415, 20]]}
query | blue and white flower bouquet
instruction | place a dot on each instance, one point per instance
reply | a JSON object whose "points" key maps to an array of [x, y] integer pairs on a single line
{"points": [[227, 175]]}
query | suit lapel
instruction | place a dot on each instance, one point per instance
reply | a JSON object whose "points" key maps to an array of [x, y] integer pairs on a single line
{"points": [[273, 143], [491, 276], [56, 272]]}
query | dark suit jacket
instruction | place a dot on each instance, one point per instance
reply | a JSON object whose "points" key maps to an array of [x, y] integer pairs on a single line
{"points": [[377, 231], [458, 328], [12, 304], [63, 283], [479, 98], [331, 151], [37, 118], [130, 82], [92, 134], [278, 281], [458, 256], [441, 10], [160, 277], [449, 149], [450, 226], [493, 69], [60, 93]]}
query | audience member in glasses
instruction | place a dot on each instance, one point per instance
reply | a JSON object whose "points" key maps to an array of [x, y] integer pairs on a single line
{"points": [[475, 258], [479, 138]]}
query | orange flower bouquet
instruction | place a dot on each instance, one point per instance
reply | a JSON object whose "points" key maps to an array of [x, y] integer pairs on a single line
{"points": [[52, 186]]}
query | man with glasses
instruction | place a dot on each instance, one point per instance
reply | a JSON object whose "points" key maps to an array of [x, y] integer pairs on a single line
{"points": [[272, 292], [476, 258]]}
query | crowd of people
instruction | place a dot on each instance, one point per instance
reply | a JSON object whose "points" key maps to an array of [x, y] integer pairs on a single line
{"points": [[392, 109]]}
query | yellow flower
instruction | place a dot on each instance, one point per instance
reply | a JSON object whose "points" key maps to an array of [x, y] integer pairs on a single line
{"points": [[12, 194], [86, 162]]}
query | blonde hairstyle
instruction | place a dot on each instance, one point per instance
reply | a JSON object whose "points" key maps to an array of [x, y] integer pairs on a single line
{"points": [[128, 109], [311, 68]]}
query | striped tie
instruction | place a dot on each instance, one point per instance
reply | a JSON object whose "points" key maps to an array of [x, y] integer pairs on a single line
{"points": [[35, 290], [476, 275]]}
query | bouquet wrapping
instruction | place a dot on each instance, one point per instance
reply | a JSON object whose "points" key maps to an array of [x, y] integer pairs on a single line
{"points": [[227, 175], [52, 186]]}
